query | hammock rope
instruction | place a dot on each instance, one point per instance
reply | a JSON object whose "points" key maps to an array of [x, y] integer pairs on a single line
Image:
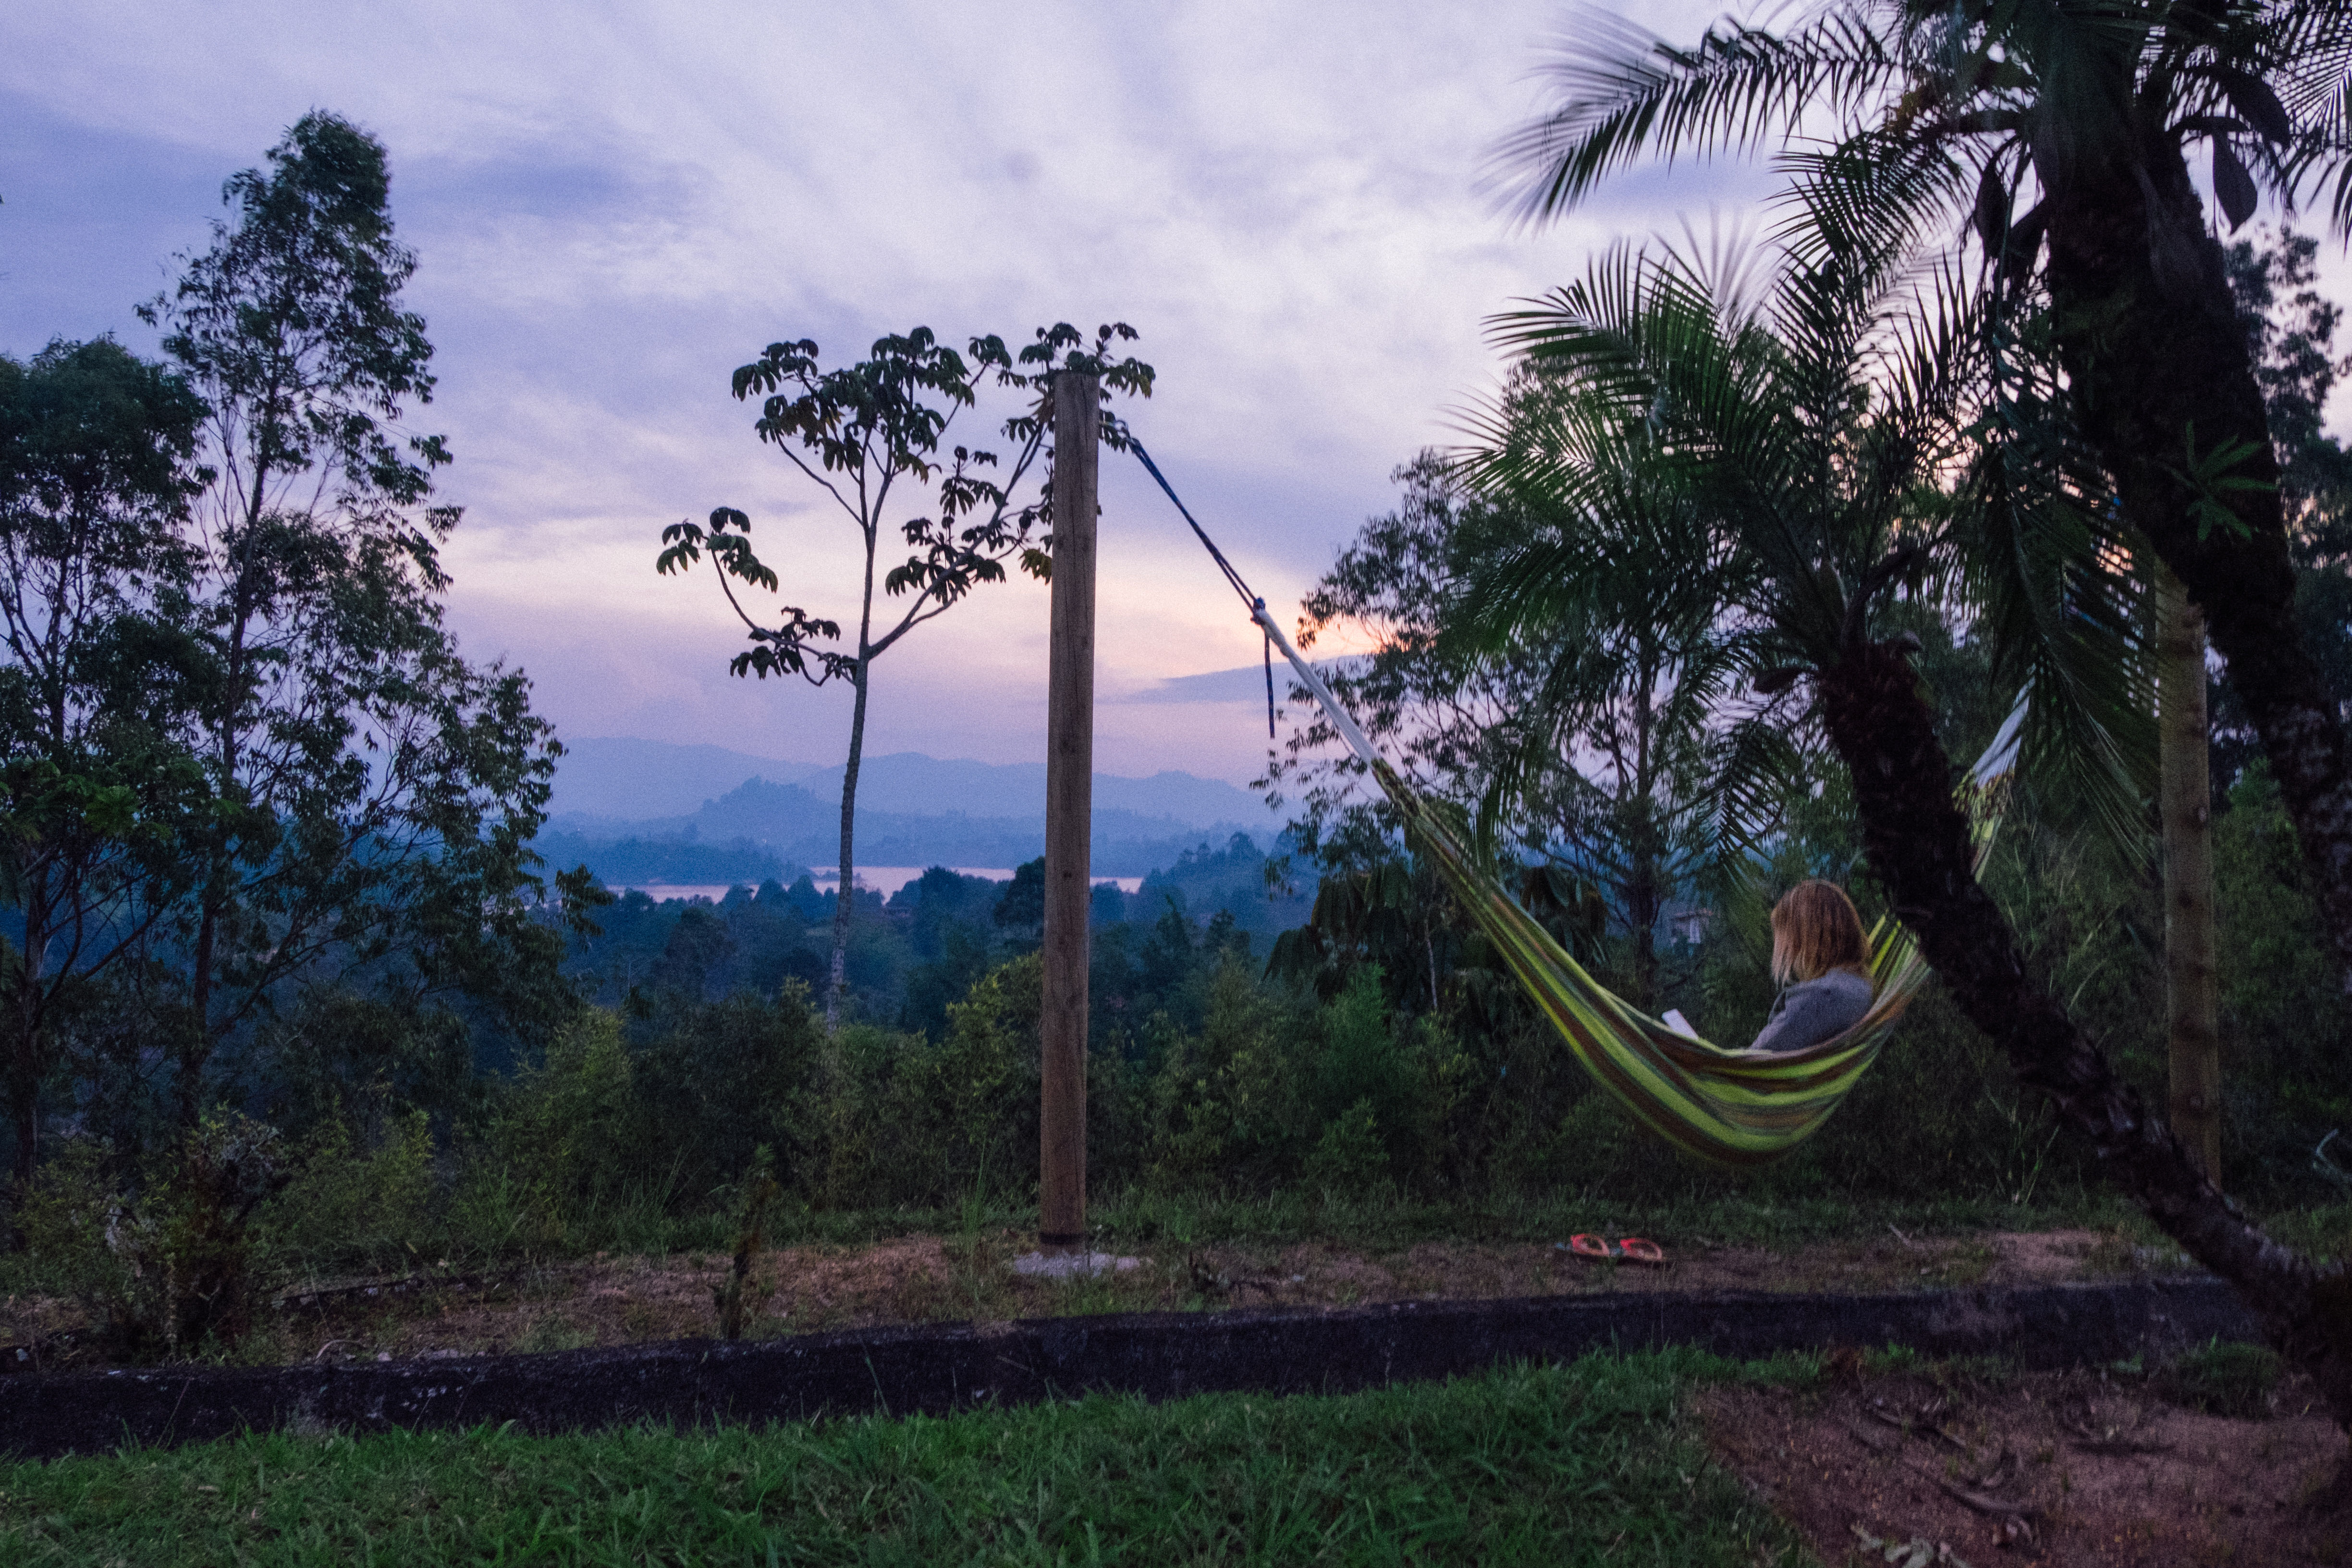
{"points": [[1726, 1106]]}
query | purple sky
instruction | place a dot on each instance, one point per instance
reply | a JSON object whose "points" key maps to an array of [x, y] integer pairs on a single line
{"points": [[616, 206]]}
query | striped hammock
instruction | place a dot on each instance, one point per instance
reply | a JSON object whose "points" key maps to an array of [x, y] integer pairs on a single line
{"points": [[1730, 1107]]}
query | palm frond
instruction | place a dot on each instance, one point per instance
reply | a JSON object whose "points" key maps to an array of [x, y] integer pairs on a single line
{"points": [[1626, 92]]}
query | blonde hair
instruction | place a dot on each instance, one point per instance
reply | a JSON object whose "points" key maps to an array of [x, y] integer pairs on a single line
{"points": [[1814, 930]]}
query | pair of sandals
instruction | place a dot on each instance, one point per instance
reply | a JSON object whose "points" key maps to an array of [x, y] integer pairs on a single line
{"points": [[1631, 1249]]}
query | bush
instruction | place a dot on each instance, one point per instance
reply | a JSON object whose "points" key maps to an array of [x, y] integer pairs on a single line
{"points": [[346, 1210], [1225, 1106], [169, 1262], [725, 1079], [908, 1121]]}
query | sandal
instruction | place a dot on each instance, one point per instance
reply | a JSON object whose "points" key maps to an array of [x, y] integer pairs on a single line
{"points": [[1585, 1246], [1635, 1249]]}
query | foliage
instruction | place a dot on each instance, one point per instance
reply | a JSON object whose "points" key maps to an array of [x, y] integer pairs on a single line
{"points": [[1980, 100], [1586, 746], [1849, 434], [344, 1207], [169, 1264], [369, 796], [2291, 330], [94, 487]]}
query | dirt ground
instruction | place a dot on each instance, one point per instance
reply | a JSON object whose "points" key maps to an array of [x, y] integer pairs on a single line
{"points": [[608, 1301], [2073, 1469]]}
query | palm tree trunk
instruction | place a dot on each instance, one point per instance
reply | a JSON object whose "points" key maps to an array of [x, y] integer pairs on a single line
{"points": [[841, 908], [1643, 903], [2163, 380], [1918, 846], [2184, 804]]}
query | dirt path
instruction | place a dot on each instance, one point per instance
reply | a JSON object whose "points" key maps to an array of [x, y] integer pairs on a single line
{"points": [[608, 1301], [2079, 1468]]}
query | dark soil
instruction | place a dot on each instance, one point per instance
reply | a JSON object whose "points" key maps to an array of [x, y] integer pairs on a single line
{"points": [[2073, 1469]]}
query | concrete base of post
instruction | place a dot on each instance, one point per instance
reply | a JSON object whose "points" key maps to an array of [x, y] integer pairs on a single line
{"points": [[1076, 1263]]}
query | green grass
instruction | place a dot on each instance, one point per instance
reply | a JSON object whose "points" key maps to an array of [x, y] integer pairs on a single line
{"points": [[1586, 1464]]}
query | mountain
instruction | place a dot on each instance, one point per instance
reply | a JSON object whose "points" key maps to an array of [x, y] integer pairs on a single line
{"points": [[624, 779], [758, 819], [637, 811], [920, 785], [609, 785]]}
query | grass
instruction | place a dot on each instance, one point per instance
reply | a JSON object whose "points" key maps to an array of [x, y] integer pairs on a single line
{"points": [[2232, 1380], [1584, 1463]]}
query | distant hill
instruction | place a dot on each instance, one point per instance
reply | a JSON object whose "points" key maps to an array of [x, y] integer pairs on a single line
{"points": [[644, 811], [622, 779], [620, 783], [759, 821], [920, 785]]}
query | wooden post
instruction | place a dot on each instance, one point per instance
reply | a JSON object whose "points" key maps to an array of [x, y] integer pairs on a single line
{"points": [[1069, 815], [2184, 799]]}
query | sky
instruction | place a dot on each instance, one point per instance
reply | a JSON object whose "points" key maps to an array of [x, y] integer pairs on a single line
{"points": [[614, 206]]}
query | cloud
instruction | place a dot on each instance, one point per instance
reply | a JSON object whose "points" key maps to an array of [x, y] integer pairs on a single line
{"points": [[615, 204], [1245, 684]]}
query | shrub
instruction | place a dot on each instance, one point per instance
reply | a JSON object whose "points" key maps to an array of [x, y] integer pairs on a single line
{"points": [[345, 1209], [1224, 1107], [169, 1262], [724, 1079]]}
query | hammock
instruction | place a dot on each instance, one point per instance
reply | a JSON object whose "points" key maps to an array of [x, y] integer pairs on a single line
{"points": [[1730, 1107]]}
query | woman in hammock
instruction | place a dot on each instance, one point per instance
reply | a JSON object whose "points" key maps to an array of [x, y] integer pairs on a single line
{"points": [[1823, 963]]}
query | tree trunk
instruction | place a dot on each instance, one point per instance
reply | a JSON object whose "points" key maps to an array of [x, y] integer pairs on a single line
{"points": [[1919, 845], [1642, 909], [27, 1061], [2184, 804], [848, 854], [192, 1052], [2163, 382], [25, 1065]]}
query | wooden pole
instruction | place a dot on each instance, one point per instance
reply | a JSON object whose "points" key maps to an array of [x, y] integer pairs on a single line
{"points": [[2184, 798], [1069, 815]]}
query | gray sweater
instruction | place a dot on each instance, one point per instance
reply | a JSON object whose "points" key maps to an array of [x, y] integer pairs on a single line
{"points": [[1813, 1011]]}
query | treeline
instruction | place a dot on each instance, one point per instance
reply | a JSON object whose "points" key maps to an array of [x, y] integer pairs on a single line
{"points": [[259, 815]]}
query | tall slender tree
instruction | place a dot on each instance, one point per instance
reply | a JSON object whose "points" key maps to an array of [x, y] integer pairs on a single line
{"points": [[861, 433], [370, 796]]}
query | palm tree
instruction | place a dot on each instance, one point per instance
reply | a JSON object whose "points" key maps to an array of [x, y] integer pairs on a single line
{"points": [[2085, 109], [1635, 661], [1856, 425], [1624, 679]]}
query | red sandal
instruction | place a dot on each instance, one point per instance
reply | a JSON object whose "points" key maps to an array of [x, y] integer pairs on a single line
{"points": [[1635, 1249], [1585, 1246]]}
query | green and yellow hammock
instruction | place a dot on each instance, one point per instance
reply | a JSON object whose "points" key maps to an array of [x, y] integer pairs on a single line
{"points": [[1731, 1107]]}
